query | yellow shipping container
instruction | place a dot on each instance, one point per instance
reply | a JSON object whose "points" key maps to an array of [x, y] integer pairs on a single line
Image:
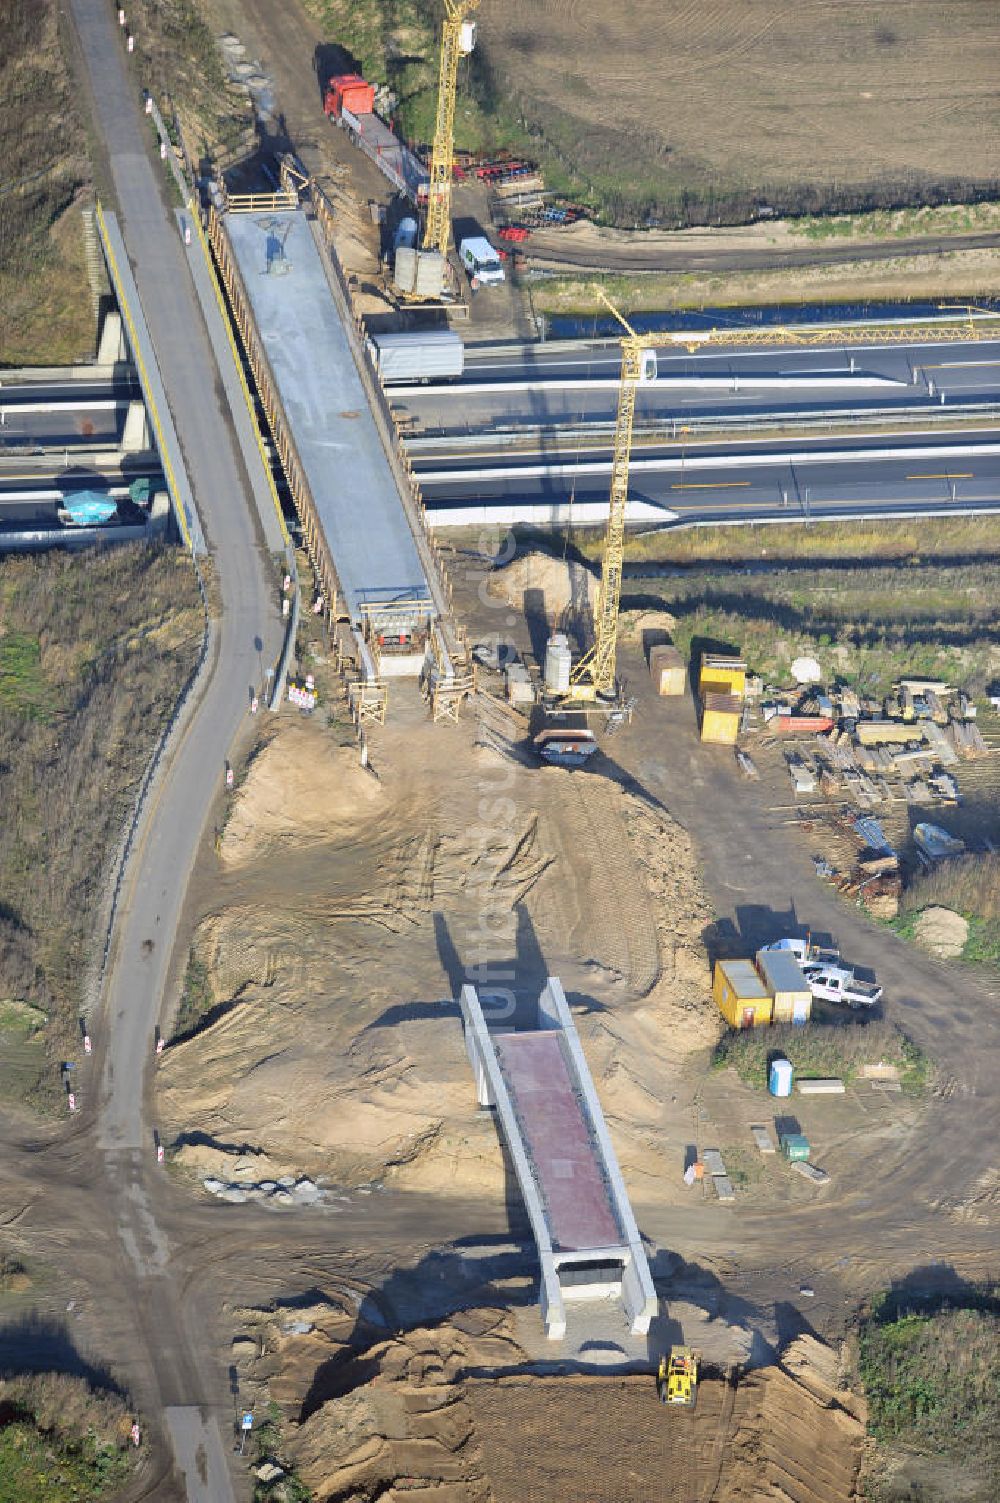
{"points": [[740, 995], [722, 675], [720, 718], [666, 669]]}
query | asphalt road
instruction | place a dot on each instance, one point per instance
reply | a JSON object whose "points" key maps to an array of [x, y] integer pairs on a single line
{"points": [[71, 424], [172, 1366], [902, 475], [541, 388]]}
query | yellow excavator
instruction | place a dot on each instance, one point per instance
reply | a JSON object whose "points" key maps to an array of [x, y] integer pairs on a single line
{"points": [[677, 1379]]}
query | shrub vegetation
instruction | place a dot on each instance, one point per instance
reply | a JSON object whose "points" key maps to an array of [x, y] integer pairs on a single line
{"points": [[931, 1376], [970, 886], [60, 1441], [822, 1049]]}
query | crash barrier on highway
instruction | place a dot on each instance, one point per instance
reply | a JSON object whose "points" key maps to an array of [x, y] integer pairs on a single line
{"points": [[167, 152]]}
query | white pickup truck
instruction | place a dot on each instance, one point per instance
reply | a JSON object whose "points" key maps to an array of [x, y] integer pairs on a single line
{"points": [[838, 983], [828, 977]]}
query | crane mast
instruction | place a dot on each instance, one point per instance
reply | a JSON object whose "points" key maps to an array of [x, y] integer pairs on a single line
{"points": [[594, 676], [457, 41]]}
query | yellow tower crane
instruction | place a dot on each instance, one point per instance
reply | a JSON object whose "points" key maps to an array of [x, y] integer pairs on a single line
{"points": [[594, 677], [457, 41]]}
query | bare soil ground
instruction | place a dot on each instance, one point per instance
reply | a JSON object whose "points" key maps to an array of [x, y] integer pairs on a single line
{"points": [[456, 1413], [316, 1060]]}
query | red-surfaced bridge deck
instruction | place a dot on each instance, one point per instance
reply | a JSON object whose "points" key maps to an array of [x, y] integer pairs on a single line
{"points": [[559, 1141]]}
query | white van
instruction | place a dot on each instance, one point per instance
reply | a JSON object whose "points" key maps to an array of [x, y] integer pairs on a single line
{"points": [[481, 262]]}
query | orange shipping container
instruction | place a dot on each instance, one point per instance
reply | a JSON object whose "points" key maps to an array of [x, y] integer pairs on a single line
{"points": [[666, 669]]}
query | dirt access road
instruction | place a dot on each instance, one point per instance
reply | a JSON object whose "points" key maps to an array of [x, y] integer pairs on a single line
{"points": [[940, 1202], [617, 251]]}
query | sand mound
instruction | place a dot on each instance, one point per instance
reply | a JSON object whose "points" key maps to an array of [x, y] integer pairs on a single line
{"points": [[300, 788], [559, 590], [335, 943], [392, 1413], [941, 932]]}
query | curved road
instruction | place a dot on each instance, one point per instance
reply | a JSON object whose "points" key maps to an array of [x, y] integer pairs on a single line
{"points": [[170, 1373]]}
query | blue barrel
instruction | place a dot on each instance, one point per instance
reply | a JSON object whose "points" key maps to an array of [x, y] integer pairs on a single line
{"points": [[780, 1081]]}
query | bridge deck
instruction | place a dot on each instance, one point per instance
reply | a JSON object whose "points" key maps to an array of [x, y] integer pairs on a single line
{"points": [[326, 408], [558, 1141]]}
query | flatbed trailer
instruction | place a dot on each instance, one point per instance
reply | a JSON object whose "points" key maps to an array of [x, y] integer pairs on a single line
{"points": [[405, 171]]}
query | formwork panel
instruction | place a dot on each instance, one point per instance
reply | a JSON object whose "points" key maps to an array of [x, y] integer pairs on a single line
{"points": [[558, 1140], [326, 408]]}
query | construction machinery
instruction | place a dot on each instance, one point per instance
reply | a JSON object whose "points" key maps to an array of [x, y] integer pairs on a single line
{"points": [[458, 39], [677, 1378], [593, 680]]}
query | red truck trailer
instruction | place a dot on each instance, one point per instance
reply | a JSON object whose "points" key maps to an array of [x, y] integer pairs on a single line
{"points": [[350, 101]]}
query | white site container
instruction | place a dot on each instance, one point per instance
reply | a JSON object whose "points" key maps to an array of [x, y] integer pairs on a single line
{"points": [[558, 663]]}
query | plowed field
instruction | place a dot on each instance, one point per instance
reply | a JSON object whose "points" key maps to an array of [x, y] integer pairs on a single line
{"points": [[697, 108]]}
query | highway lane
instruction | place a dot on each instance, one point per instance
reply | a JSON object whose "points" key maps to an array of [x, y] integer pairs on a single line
{"points": [[775, 481], [70, 388], [47, 425], [536, 387]]}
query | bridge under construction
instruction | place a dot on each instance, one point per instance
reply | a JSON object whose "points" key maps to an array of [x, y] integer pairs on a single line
{"points": [[538, 1083], [376, 563]]}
